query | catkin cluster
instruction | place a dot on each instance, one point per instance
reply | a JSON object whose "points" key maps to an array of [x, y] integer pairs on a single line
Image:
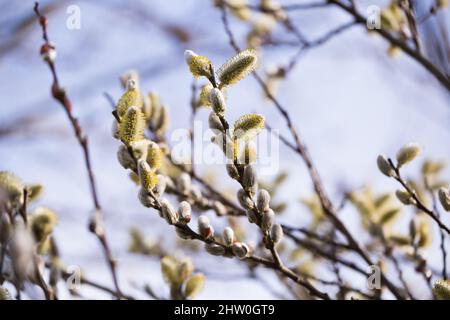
{"points": [[26, 243]]}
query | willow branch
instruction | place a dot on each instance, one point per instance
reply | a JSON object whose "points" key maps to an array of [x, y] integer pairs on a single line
{"points": [[60, 95]]}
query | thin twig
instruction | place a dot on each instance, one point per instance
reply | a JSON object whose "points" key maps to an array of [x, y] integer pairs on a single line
{"points": [[60, 95], [418, 203], [441, 232]]}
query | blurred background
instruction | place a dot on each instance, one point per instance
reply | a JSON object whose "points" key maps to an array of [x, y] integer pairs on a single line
{"points": [[349, 99]]}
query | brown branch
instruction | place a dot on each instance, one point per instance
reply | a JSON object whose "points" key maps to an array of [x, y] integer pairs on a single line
{"points": [[315, 236], [60, 95], [292, 275], [418, 203], [441, 232], [193, 113], [320, 251], [83, 280]]}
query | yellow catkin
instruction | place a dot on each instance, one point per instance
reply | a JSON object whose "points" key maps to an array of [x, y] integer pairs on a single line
{"points": [[408, 153], [42, 222], [131, 97], [12, 186], [248, 126], [237, 67], [204, 95], [132, 126], [194, 285], [147, 176], [168, 269], [198, 65], [155, 156], [442, 289]]}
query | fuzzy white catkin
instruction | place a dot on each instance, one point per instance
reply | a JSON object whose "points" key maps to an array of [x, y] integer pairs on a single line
{"points": [[240, 250], [22, 249], [244, 199], [217, 101], [214, 122], [184, 212], [384, 166], [277, 233], [124, 157], [131, 84], [196, 193], [139, 148], [168, 212], [204, 226], [407, 153], [268, 217], [249, 178], [404, 197], [184, 183], [115, 129], [214, 249], [228, 236], [251, 215], [263, 200], [145, 199], [160, 187], [444, 198], [183, 234], [232, 171]]}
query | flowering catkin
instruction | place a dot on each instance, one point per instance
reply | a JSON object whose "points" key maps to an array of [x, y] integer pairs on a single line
{"points": [[154, 156], [194, 285], [132, 126], [248, 126], [198, 65], [131, 97], [442, 289], [204, 95], [147, 176], [407, 153], [12, 186], [237, 68]]}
